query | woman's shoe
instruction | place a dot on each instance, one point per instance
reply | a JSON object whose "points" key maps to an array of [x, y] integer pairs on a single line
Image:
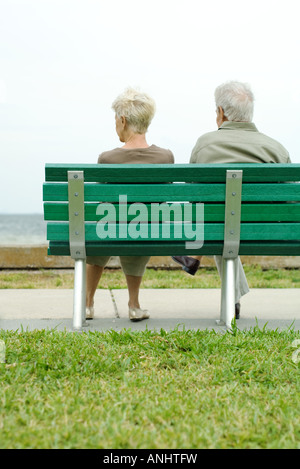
{"points": [[89, 312], [237, 310], [137, 314]]}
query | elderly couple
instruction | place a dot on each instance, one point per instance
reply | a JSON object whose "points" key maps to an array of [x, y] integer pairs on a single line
{"points": [[237, 140]]}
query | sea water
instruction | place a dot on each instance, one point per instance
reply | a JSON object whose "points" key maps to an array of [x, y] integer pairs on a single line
{"points": [[22, 229]]}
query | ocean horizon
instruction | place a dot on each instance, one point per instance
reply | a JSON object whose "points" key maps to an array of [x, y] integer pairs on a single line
{"points": [[22, 229]]}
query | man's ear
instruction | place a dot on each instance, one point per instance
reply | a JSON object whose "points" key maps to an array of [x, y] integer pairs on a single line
{"points": [[221, 116]]}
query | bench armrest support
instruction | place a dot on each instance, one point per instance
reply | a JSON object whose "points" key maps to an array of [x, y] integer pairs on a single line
{"points": [[232, 214], [76, 214]]}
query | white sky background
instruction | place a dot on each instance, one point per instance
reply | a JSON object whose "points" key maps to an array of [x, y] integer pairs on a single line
{"points": [[63, 62]]}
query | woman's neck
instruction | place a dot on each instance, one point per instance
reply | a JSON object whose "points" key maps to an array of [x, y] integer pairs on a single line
{"points": [[136, 141]]}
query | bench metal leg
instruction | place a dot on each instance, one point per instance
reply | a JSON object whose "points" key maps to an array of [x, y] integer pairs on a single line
{"points": [[227, 293], [79, 318]]}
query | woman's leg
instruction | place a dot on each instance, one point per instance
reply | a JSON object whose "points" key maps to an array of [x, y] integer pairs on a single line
{"points": [[93, 275], [94, 270], [133, 285], [135, 312], [134, 268]]}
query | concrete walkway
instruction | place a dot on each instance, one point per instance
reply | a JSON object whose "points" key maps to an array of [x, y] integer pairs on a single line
{"points": [[182, 308]]}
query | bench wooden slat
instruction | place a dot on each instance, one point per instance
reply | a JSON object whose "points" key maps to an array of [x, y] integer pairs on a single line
{"points": [[174, 192], [213, 232], [176, 248], [280, 212], [60, 212], [140, 192], [172, 173]]}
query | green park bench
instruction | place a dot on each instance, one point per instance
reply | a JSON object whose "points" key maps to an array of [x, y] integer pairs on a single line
{"points": [[180, 209]]}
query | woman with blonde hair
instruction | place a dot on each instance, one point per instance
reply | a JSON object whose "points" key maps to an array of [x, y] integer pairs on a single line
{"points": [[134, 111]]}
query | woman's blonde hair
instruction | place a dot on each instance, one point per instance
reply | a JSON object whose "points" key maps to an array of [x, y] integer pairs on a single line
{"points": [[138, 108]]}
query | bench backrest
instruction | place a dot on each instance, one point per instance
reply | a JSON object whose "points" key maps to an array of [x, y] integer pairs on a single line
{"points": [[253, 208]]}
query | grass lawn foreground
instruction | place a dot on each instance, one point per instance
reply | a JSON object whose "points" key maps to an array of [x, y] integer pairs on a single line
{"points": [[152, 389]]}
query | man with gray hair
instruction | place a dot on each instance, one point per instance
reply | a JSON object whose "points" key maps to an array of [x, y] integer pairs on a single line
{"points": [[237, 140]]}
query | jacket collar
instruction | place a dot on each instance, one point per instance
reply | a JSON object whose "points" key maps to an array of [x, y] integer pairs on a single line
{"points": [[231, 125]]}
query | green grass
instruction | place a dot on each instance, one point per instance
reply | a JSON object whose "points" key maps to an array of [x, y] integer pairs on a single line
{"points": [[178, 389], [205, 278]]}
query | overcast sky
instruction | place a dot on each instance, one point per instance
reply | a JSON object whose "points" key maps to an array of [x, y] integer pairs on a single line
{"points": [[63, 62]]}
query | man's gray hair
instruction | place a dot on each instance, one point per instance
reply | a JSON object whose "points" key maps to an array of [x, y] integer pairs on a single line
{"points": [[237, 101], [137, 107]]}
